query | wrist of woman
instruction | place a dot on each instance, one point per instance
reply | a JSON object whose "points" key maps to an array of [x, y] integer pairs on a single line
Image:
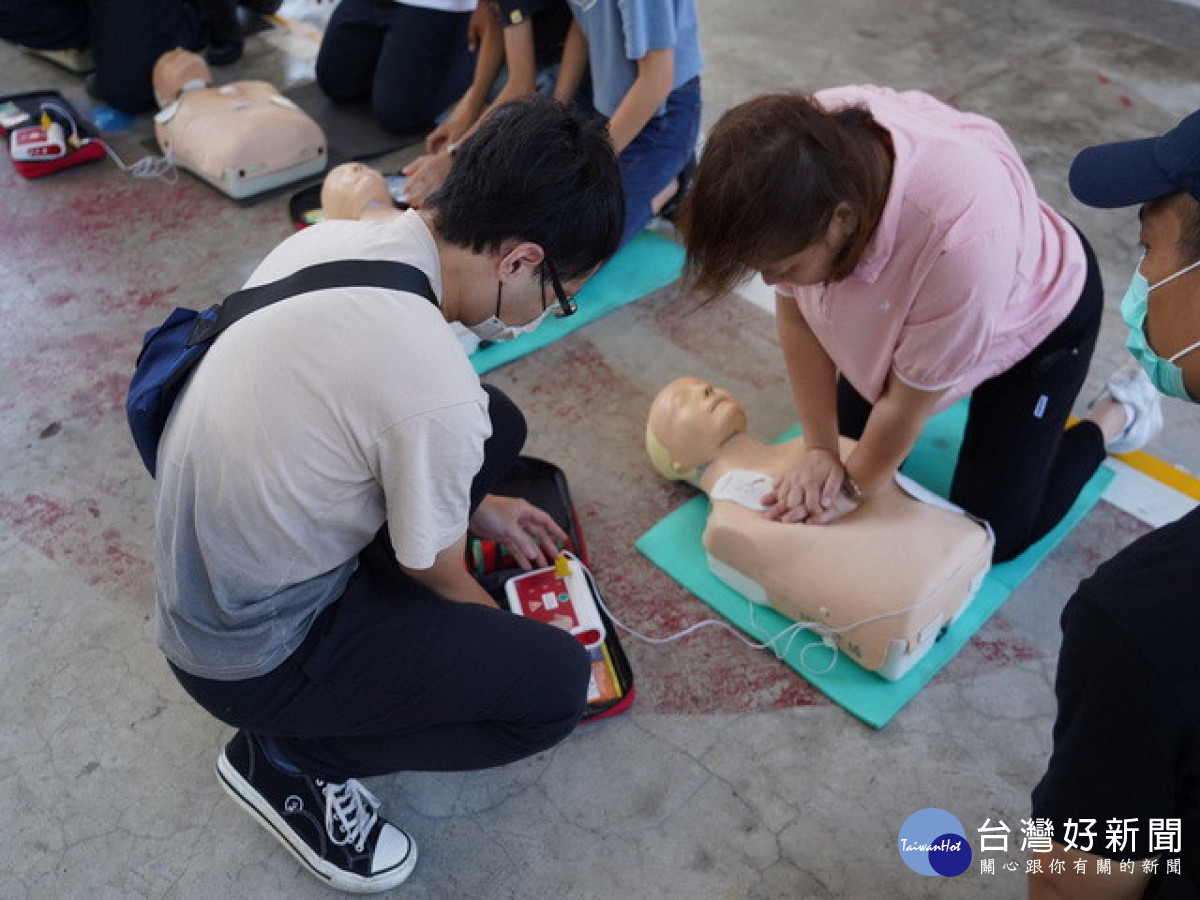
{"points": [[851, 491], [832, 451]]}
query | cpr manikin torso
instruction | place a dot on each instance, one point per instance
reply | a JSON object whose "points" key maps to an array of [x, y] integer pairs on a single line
{"points": [[885, 579], [243, 138]]}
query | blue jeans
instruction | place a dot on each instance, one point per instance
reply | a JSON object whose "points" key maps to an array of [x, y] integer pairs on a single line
{"points": [[411, 61], [658, 154]]}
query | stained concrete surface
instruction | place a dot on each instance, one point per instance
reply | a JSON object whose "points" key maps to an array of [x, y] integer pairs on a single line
{"points": [[730, 778]]}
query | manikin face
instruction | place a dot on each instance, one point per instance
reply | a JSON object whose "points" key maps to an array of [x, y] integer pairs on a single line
{"points": [[692, 419], [352, 189], [1173, 312]]}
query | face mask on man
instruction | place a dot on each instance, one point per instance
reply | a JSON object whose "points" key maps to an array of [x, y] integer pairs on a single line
{"points": [[493, 328], [1164, 374]]}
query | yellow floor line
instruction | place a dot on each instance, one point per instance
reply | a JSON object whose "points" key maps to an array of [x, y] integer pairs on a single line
{"points": [[1153, 467], [1172, 476], [295, 27]]}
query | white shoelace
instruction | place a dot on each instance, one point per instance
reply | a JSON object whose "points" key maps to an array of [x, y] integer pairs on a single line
{"points": [[353, 807]]}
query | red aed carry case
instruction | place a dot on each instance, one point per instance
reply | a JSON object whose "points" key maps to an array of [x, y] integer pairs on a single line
{"points": [[79, 141], [544, 485]]}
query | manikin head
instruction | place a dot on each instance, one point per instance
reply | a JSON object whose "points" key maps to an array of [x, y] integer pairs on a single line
{"points": [[355, 191], [177, 71], [689, 421]]}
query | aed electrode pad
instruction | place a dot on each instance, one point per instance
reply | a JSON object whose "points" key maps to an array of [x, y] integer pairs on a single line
{"points": [[743, 487]]}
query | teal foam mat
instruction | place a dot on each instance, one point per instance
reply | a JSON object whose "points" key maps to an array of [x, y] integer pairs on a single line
{"points": [[674, 545], [647, 263]]}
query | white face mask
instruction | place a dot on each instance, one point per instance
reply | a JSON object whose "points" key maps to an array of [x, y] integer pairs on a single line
{"points": [[493, 328]]}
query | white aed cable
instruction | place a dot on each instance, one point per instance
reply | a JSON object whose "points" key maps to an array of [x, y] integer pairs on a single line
{"points": [[786, 635], [160, 167], [789, 633]]}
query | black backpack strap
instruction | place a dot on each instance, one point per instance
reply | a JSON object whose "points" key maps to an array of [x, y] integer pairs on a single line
{"points": [[382, 273]]}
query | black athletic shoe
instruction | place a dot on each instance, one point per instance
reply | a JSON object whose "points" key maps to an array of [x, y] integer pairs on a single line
{"points": [[332, 828], [222, 32], [670, 210]]}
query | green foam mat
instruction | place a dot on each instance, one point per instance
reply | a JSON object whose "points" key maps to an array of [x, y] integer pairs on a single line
{"points": [[647, 263], [674, 545]]}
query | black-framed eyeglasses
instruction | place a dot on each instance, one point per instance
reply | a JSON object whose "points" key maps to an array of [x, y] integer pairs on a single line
{"points": [[566, 305]]}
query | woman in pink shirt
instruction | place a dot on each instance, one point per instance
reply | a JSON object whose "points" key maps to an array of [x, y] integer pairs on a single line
{"points": [[914, 265]]}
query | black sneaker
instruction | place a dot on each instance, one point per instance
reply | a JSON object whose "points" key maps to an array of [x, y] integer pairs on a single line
{"points": [[222, 32], [670, 210], [332, 828]]}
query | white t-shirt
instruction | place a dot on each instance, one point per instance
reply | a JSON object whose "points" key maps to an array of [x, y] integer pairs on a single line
{"points": [[308, 424]]}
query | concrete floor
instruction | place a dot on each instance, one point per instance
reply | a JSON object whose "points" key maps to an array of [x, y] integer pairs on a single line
{"points": [[730, 778]]}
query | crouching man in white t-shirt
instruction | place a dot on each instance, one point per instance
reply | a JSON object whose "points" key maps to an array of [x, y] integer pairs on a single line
{"points": [[316, 482]]}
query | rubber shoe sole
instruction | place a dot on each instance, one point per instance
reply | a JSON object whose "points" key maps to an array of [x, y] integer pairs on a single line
{"points": [[244, 794]]}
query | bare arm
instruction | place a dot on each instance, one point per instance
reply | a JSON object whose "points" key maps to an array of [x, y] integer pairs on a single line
{"points": [[470, 106], [811, 487], [655, 77], [518, 51], [1070, 885], [811, 492], [812, 375], [448, 576], [574, 63], [892, 428]]}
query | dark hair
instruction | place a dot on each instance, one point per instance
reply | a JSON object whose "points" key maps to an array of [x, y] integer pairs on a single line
{"points": [[535, 171], [773, 171]]}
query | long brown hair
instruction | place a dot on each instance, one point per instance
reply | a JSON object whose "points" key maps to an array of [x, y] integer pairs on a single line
{"points": [[773, 171]]}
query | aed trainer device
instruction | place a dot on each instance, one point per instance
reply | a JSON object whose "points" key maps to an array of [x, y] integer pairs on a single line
{"points": [[38, 143], [559, 595]]}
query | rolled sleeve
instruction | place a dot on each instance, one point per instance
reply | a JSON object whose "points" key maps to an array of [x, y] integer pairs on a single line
{"points": [[648, 26], [426, 465]]}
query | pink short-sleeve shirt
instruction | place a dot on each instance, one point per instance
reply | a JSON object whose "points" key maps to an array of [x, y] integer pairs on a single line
{"points": [[967, 271]]}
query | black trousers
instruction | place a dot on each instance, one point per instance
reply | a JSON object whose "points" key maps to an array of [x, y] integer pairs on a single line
{"points": [[392, 677], [1018, 468], [412, 62], [126, 38]]}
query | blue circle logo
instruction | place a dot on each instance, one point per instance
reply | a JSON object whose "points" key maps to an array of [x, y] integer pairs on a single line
{"points": [[933, 842]]}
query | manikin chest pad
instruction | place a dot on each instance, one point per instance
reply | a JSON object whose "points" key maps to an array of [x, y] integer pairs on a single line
{"points": [[244, 138], [882, 586]]}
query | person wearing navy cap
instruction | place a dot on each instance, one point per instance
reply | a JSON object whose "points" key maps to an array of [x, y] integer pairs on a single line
{"points": [[1123, 781]]}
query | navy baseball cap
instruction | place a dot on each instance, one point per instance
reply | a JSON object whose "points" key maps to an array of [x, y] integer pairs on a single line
{"points": [[1130, 173]]}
